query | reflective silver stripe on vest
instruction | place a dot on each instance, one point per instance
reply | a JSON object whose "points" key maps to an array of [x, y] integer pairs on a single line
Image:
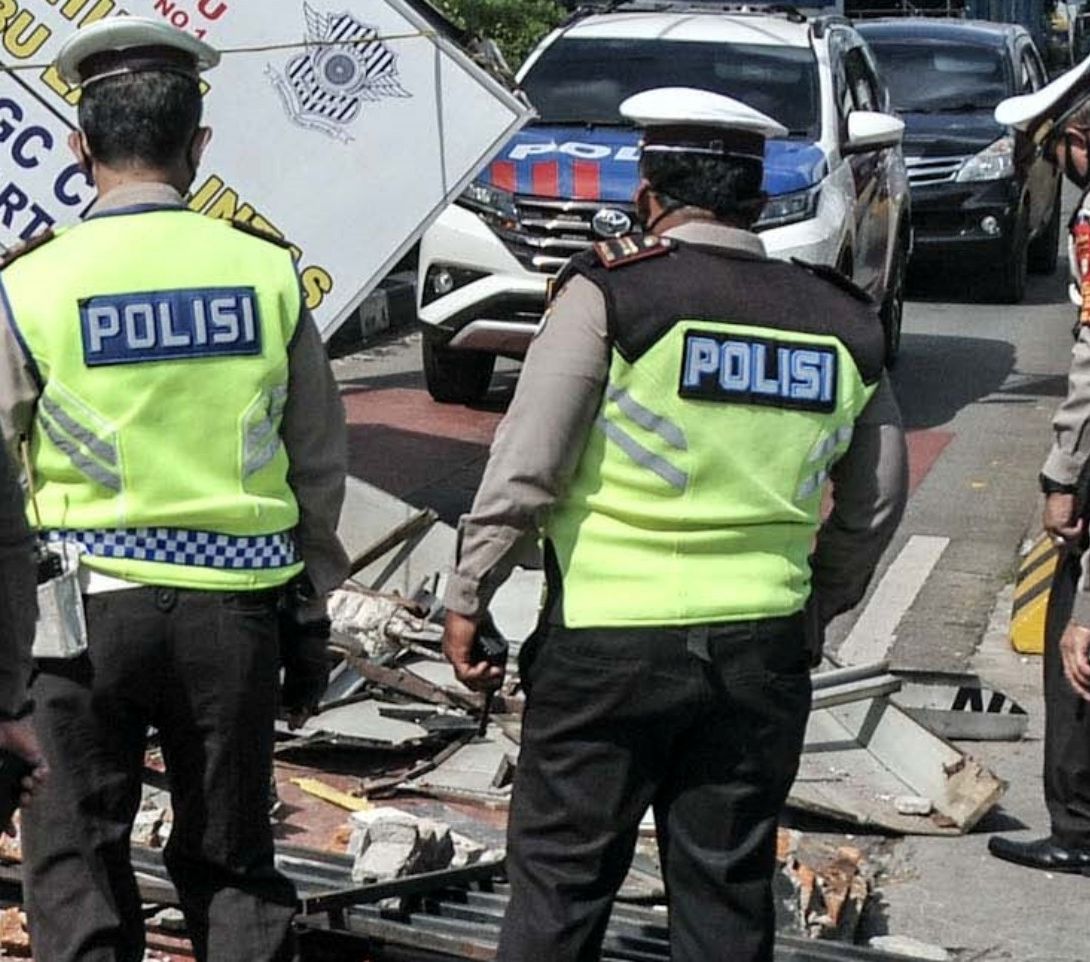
{"points": [[647, 419], [96, 445], [826, 446], [811, 485], [91, 468], [674, 477], [263, 438]]}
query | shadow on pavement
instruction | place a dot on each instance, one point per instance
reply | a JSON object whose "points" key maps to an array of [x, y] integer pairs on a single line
{"points": [[425, 470], [941, 282], [939, 374]]}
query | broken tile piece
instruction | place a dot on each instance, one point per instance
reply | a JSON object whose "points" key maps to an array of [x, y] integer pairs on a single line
{"points": [[913, 805], [14, 940], [169, 919], [911, 948]]}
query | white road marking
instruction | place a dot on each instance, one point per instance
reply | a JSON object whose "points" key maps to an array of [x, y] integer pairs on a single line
{"points": [[874, 630]]}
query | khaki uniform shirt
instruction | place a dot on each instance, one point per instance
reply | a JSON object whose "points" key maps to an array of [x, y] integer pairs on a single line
{"points": [[539, 442], [1071, 427], [313, 427]]}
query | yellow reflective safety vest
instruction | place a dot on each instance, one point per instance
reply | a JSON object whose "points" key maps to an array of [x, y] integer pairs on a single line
{"points": [[159, 340], [734, 385]]}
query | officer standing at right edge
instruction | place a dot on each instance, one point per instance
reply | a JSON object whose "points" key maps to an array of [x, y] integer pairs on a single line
{"points": [[670, 437], [1065, 483]]}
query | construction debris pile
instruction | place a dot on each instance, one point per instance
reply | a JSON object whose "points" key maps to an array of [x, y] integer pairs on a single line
{"points": [[390, 803]]}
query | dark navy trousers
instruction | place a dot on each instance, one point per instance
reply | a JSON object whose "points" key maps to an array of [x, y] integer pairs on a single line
{"points": [[1067, 722], [705, 725], [202, 667]]}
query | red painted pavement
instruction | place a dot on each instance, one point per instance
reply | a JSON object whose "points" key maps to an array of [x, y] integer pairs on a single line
{"points": [[405, 443]]}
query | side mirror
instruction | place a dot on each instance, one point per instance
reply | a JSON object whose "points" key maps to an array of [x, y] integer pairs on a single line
{"points": [[869, 130]]}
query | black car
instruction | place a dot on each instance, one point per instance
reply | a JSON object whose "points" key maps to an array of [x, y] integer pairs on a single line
{"points": [[981, 195]]}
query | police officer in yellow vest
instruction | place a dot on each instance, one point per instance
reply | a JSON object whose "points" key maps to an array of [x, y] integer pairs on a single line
{"points": [[674, 426], [184, 430]]}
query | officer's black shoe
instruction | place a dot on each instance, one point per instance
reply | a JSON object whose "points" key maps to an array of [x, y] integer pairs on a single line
{"points": [[1043, 853]]}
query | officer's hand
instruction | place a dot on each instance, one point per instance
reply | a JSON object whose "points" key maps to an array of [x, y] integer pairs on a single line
{"points": [[18, 737], [1075, 652], [304, 655], [1060, 522], [459, 633]]}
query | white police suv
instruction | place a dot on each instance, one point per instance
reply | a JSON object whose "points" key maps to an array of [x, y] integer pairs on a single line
{"points": [[838, 192]]}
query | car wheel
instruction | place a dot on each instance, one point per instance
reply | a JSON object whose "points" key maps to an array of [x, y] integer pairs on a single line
{"points": [[893, 305], [455, 377], [1010, 277], [1045, 247]]}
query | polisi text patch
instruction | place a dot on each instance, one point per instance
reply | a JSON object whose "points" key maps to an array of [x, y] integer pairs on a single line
{"points": [[753, 370], [169, 325]]}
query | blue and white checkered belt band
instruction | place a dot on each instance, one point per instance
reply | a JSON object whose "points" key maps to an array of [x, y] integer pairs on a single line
{"points": [[193, 549]]}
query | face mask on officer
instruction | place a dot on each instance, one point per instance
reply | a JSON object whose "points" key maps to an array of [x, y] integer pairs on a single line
{"points": [[646, 215], [77, 144]]}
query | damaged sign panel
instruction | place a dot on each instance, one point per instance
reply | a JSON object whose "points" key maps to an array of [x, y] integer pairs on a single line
{"points": [[343, 127]]}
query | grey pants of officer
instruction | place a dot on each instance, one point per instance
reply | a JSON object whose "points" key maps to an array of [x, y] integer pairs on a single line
{"points": [[703, 724], [202, 667]]}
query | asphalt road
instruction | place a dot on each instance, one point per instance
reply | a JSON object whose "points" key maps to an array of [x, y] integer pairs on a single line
{"points": [[977, 383]]}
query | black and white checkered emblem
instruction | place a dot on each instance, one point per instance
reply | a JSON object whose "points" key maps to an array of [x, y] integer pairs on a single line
{"points": [[344, 66]]}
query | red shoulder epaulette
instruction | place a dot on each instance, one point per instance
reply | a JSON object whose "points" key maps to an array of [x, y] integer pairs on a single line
{"points": [[627, 250], [265, 235], [12, 254]]}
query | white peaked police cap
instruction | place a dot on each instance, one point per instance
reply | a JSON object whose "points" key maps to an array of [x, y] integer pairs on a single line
{"points": [[124, 44], [1028, 112], [687, 120]]}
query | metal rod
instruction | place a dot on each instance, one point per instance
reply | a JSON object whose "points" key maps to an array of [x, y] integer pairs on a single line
{"points": [[400, 887], [855, 691], [839, 676], [417, 524]]}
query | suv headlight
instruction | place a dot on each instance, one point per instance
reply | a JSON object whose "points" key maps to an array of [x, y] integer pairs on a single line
{"points": [[490, 202], [789, 208], [993, 163]]}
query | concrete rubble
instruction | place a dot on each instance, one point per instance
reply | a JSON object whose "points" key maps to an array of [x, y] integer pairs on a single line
{"points": [[14, 940], [387, 843], [829, 886], [151, 827], [396, 725]]}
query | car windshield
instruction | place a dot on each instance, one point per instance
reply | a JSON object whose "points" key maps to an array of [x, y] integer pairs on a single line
{"points": [[928, 76], [584, 81]]}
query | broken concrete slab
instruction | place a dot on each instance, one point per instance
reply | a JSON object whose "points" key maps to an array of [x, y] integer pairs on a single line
{"points": [[859, 757], [362, 724], [388, 843]]}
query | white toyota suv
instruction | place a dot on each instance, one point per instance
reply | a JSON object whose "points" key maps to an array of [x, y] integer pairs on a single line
{"points": [[838, 192]]}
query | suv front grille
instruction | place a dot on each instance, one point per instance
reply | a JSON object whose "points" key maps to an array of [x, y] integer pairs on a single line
{"points": [[551, 230], [932, 170]]}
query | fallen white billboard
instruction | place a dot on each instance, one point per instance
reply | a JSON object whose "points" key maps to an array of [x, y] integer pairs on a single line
{"points": [[344, 126]]}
